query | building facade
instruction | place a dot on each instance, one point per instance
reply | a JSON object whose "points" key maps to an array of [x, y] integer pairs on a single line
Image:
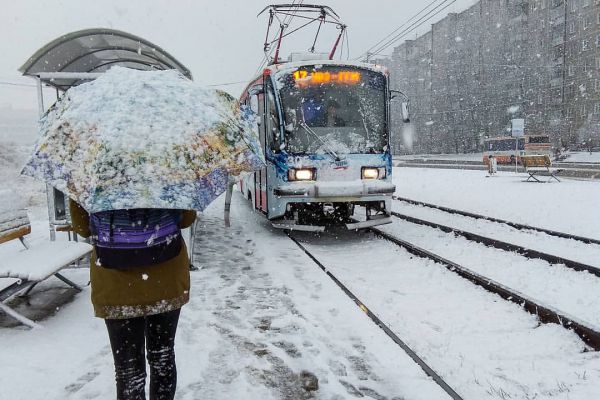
{"points": [[475, 71]]}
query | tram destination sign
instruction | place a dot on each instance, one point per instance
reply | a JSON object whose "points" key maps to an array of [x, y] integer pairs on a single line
{"points": [[304, 78]]}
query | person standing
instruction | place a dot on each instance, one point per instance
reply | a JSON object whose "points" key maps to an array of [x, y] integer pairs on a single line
{"points": [[139, 273]]}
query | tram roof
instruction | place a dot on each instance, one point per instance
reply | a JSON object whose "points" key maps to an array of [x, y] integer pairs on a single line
{"points": [[93, 51], [298, 64]]}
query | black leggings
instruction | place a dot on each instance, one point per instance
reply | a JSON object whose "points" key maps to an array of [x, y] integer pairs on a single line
{"points": [[128, 339]]}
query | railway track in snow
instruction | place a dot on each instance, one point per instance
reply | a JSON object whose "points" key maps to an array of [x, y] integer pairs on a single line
{"points": [[545, 314], [502, 245], [402, 344], [589, 333], [500, 221]]}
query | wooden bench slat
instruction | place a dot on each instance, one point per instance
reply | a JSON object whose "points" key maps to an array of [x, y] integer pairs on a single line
{"points": [[15, 234]]}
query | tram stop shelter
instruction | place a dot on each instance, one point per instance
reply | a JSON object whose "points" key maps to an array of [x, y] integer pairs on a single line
{"points": [[81, 56]]}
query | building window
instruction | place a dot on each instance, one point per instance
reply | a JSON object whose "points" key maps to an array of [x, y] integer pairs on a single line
{"points": [[597, 108], [583, 113], [597, 62], [571, 70], [598, 41], [572, 27], [585, 45], [597, 85], [586, 22]]}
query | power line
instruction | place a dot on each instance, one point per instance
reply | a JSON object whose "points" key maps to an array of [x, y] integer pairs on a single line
{"points": [[16, 84], [414, 26], [397, 29]]}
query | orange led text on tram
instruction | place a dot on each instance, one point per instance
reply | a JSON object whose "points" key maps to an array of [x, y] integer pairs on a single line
{"points": [[305, 78]]}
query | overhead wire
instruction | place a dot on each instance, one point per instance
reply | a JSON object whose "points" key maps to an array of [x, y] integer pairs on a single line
{"points": [[397, 29], [415, 25], [16, 84], [411, 28]]}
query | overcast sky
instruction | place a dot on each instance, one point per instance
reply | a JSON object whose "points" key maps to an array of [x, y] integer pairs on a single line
{"points": [[219, 41]]}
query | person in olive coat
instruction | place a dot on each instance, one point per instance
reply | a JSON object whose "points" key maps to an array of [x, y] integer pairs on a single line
{"points": [[138, 288]]}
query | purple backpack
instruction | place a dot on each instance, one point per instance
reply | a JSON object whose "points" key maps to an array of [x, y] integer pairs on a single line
{"points": [[138, 237]]}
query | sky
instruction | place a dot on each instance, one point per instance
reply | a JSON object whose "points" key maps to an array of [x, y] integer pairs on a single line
{"points": [[219, 41]]}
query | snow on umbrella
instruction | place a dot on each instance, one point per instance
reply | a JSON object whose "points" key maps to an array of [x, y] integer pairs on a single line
{"points": [[144, 139]]}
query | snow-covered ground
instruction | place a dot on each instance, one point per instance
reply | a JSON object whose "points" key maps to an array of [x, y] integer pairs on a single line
{"points": [[460, 157], [571, 156], [262, 313], [569, 206], [583, 157], [483, 346], [18, 133]]}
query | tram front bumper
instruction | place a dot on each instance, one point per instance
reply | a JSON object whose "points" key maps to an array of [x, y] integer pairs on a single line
{"points": [[338, 189]]}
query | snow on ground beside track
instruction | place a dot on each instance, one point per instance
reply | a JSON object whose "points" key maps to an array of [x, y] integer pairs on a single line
{"points": [[574, 293], [566, 248], [485, 347], [260, 313], [461, 157], [569, 206], [583, 157]]}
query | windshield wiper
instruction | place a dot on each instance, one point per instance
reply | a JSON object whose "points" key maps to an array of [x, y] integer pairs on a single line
{"points": [[327, 148]]}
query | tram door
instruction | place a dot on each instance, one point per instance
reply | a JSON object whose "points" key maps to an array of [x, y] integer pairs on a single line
{"points": [[260, 177]]}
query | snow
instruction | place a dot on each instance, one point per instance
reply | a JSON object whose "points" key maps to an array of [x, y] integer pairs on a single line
{"points": [[566, 248], [574, 293], [583, 157], [569, 206], [41, 261], [262, 315], [480, 344]]}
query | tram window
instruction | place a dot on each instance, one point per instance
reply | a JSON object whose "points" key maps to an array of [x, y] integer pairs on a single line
{"points": [[346, 117], [272, 123], [254, 103]]}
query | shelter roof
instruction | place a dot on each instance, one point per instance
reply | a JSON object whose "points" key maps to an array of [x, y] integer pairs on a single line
{"points": [[96, 50]]}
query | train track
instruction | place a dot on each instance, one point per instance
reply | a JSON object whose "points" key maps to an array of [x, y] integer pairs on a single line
{"points": [[386, 329], [524, 251], [501, 221], [545, 314]]}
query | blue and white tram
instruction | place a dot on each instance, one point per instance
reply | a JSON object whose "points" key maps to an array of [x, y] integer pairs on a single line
{"points": [[324, 128]]}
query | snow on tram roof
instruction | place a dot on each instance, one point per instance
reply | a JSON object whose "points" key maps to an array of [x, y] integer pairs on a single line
{"points": [[290, 66]]}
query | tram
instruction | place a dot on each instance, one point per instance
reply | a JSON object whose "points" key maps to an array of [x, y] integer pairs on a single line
{"points": [[324, 129]]}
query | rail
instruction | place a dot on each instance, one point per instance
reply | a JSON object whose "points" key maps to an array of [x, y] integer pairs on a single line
{"points": [[589, 335], [411, 353]]}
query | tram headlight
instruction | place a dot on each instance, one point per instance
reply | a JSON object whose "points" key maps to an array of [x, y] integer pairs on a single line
{"points": [[373, 173], [301, 174]]}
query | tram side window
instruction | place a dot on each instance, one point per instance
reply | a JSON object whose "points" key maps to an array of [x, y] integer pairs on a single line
{"points": [[257, 105], [273, 124]]}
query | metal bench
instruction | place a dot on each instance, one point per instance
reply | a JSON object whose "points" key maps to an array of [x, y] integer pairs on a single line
{"points": [[32, 264], [539, 165]]}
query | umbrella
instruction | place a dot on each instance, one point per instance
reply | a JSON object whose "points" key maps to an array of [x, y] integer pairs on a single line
{"points": [[144, 139]]}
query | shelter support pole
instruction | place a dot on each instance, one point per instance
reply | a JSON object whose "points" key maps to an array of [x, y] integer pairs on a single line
{"points": [[49, 189]]}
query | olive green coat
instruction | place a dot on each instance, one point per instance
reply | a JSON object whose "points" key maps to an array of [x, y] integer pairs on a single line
{"points": [[139, 291]]}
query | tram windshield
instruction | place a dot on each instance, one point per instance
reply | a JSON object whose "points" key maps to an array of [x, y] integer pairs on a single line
{"points": [[339, 109]]}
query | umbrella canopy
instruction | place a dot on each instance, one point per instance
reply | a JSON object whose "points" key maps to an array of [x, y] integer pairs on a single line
{"points": [[144, 139]]}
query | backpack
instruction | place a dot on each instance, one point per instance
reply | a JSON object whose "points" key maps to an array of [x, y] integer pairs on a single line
{"points": [[125, 239]]}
